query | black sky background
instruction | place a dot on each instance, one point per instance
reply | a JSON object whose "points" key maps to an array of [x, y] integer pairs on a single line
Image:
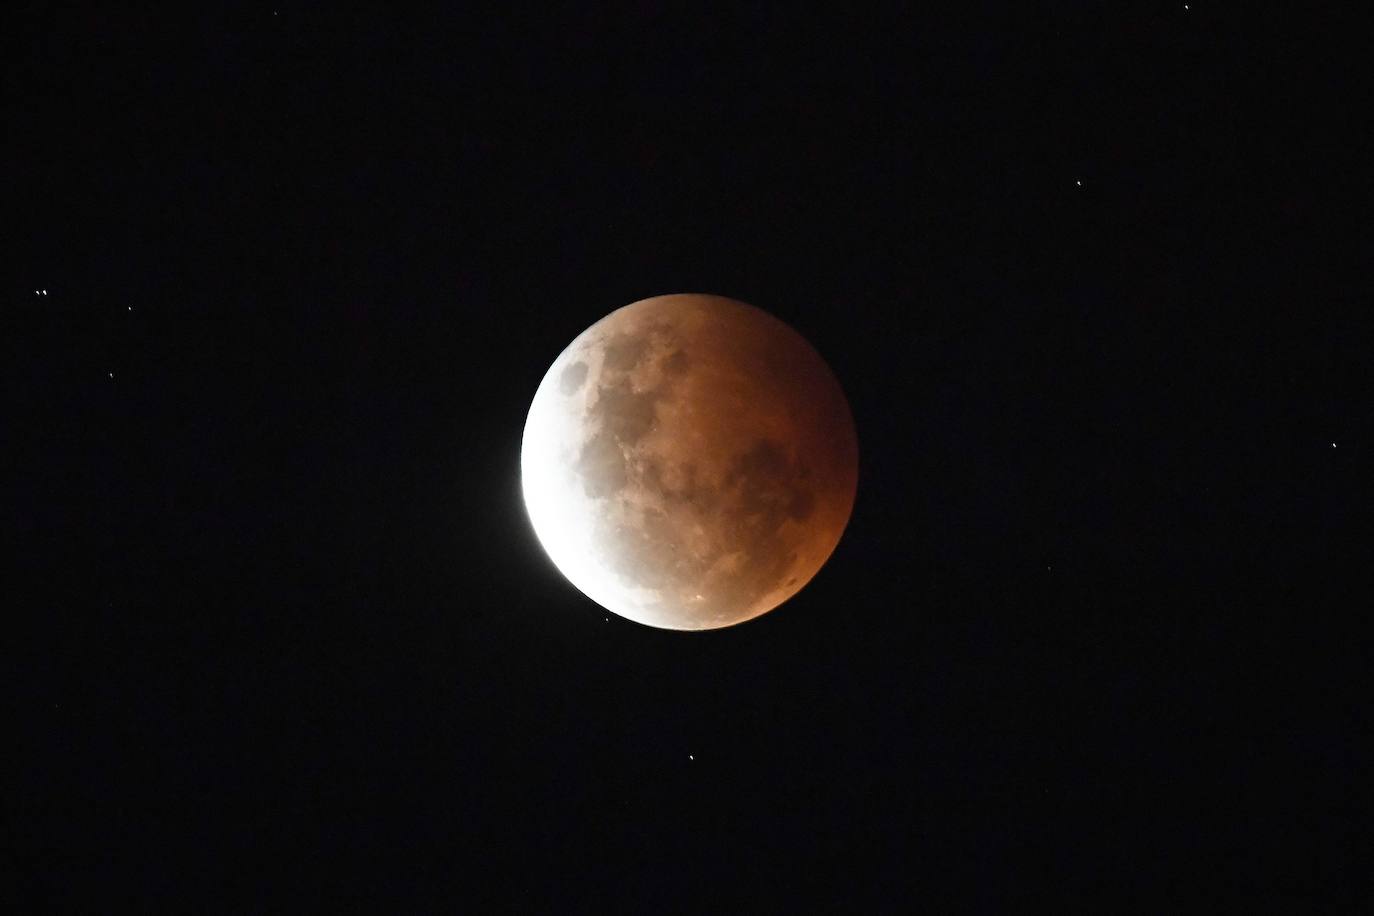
{"points": [[1095, 279]]}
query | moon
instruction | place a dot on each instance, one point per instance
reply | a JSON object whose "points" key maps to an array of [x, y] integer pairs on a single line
{"points": [[689, 462]]}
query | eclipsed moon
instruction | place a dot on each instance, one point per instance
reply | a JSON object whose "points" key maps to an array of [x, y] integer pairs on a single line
{"points": [[689, 462]]}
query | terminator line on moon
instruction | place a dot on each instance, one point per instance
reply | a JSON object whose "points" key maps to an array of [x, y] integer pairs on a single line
{"points": [[689, 462]]}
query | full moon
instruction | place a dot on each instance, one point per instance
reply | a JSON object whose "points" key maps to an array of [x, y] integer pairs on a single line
{"points": [[689, 462]]}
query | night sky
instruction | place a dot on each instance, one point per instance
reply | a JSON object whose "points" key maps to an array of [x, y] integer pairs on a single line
{"points": [[283, 282]]}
